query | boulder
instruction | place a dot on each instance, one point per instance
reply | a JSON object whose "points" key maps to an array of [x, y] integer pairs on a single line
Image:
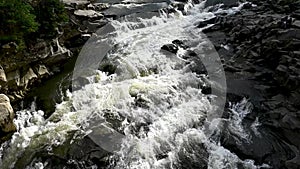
{"points": [[88, 13], [170, 48], [42, 71], [2, 75], [27, 78], [6, 115], [13, 79]]}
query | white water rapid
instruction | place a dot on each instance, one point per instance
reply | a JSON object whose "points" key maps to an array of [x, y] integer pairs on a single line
{"points": [[165, 122]]}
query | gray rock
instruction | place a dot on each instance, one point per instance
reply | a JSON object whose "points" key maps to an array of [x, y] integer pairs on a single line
{"points": [[13, 78], [42, 71], [227, 3], [6, 115], [296, 24], [289, 34], [27, 78], [77, 4], [88, 13], [101, 6]]}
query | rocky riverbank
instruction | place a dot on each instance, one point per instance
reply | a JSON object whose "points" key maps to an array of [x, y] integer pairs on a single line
{"points": [[260, 47]]}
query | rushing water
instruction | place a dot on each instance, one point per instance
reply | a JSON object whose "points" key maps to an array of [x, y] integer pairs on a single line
{"points": [[150, 113]]}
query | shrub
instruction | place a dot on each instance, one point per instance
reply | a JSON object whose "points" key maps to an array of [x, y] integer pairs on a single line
{"points": [[50, 13], [16, 21]]}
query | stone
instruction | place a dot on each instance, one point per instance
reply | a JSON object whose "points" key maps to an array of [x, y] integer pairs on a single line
{"points": [[170, 48], [88, 13], [227, 3], [2, 75], [291, 122], [179, 44], [6, 115], [27, 78], [206, 22], [289, 34], [296, 24], [42, 71], [13, 78], [101, 6]]}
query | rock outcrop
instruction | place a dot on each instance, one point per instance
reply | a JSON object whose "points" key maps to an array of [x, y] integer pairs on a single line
{"points": [[6, 115], [260, 46]]}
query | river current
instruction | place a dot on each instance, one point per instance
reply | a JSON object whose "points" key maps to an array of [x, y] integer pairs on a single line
{"points": [[149, 112]]}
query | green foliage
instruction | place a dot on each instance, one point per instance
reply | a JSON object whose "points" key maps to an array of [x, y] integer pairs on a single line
{"points": [[22, 21], [50, 13], [16, 20]]}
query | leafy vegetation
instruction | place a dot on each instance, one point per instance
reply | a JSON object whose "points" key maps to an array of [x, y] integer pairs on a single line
{"points": [[16, 20], [21, 19], [49, 13]]}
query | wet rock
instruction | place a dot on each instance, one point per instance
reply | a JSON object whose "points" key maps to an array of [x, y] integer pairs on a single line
{"points": [[170, 48], [206, 22], [289, 34], [229, 68], [296, 24], [263, 64], [227, 3], [179, 44], [6, 115], [76, 4], [94, 26], [286, 22], [193, 155], [184, 1], [124, 9], [88, 13], [101, 6]]}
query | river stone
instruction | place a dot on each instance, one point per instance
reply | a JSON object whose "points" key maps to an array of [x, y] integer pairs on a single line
{"points": [[6, 115]]}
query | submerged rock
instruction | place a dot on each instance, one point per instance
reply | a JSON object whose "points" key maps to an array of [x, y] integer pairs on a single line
{"points": [[6, 115]]}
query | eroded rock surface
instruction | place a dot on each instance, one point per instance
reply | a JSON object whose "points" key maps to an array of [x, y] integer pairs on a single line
{"points": [[6, 115]]}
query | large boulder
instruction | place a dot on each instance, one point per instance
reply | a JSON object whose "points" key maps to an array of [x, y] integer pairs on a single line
{"points": [[6, 115]]}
